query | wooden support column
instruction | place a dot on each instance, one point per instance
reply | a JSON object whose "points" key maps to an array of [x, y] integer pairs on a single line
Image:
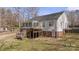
{"points": [[33, 33]]}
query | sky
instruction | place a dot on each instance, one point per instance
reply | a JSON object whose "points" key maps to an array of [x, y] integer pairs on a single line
{"points": [[49, 10]]}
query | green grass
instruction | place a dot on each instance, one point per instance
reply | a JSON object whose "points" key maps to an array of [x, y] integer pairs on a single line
{"points": [[70, 42]]}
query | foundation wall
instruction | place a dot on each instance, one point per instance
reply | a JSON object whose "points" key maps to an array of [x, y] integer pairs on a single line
{"points": [[60, 34], [47, 34]]}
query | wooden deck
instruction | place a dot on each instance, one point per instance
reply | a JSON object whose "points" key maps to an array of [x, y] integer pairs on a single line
{"points": [[34, 33]]}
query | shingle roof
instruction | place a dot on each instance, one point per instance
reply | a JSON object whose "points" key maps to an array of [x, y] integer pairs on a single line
{"points": [[53, 16]]}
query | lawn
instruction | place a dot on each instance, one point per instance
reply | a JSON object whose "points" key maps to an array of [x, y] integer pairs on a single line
{"points": [[70, 42]]}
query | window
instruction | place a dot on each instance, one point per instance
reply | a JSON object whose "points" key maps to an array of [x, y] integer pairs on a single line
{"points": [[35, 24], [43, 24], [29, 24], [50, 23]]}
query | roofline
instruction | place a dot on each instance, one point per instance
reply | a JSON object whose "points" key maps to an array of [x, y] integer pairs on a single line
{"points": [[52, 13]]}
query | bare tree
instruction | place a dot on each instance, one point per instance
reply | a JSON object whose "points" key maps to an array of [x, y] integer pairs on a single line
{"points": [[17, 9], [23, 13], [31, 12], [73, 19], [9, 18], [2, 16], [26, 12]]}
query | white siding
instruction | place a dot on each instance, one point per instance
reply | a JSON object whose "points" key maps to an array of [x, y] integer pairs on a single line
{"points": [[39, 24], [47, 27], [62, 22]]}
